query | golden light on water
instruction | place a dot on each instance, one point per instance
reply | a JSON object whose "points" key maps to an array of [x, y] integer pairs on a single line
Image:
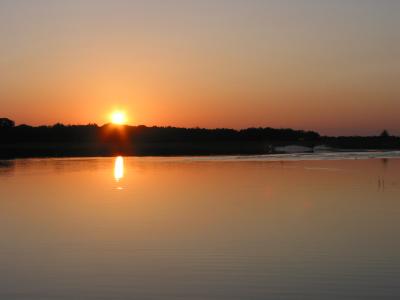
{"points": [[118, 117], [119, 168]]}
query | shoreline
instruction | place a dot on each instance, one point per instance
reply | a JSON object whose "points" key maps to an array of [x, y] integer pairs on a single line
{"points": [[337, 155]]}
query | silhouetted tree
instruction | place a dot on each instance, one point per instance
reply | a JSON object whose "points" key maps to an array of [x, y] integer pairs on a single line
{"points": [[385, 134], [6, 123], [58, 125]]}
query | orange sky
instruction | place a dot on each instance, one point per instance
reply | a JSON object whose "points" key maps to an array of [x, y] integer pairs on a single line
{"points": [[332, 67]]}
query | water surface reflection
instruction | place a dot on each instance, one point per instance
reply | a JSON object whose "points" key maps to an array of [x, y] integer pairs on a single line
{"points": [[118, 168], [196, 229]]}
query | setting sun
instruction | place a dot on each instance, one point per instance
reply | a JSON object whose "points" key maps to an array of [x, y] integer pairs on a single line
{"points": [[118, 117]]}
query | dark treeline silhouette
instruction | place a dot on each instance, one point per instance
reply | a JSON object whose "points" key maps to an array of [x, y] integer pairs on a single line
{"points": [[93, 140], [6, 123]]}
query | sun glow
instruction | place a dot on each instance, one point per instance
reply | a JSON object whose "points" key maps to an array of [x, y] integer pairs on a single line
{"points": [[118, 118]]}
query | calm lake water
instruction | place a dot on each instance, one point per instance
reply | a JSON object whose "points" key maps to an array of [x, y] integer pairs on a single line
{"points": [[200, 228]]}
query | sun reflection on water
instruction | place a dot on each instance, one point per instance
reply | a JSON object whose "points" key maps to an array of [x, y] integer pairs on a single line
{"points": [[119, 168]]}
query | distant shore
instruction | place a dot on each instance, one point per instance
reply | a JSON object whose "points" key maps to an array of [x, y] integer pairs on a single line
{"points": [[109, 140]]}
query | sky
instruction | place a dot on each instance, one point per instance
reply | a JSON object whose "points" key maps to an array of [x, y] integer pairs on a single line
{"points": [[329, 66]]}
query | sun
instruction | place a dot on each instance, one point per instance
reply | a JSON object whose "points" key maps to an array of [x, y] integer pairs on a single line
{"points": [[118, 117]]}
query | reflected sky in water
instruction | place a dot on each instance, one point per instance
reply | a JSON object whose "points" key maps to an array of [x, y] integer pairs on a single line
{"points": [[188, 228]]}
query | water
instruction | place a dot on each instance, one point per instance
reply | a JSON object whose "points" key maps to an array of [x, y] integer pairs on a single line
{"points": [[308, 227]]}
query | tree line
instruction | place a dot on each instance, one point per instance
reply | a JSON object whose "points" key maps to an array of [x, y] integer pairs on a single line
{"points": [[90, 140]]}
